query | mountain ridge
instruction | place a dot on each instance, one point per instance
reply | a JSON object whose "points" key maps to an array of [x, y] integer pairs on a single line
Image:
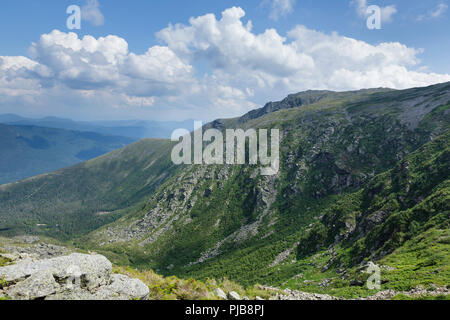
{"points": [[303, 98]]}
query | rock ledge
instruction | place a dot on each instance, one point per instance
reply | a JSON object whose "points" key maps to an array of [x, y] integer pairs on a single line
{"points": [[73, 277]]}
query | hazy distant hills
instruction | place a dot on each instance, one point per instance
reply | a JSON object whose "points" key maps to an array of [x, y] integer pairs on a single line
{"points": [[28, 150], [136, 129], [31, 147]]}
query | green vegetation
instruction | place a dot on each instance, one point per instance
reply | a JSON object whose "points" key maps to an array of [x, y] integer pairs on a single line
{"points": [[364, 177], [3, 283], [173, 288], [3, 261]]}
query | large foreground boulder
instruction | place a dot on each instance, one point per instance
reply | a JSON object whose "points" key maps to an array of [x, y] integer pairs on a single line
{"points": [[74, 277]]}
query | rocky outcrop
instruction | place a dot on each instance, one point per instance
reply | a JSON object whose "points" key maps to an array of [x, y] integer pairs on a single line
{"points": [[36, 251], [219, 293], [415, 293], [232, 295], [283, 255], [73, 277], [292, 101], [288, 294]]}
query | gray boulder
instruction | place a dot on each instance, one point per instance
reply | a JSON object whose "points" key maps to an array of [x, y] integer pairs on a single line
{"points": [[123, 288], [75, 294], [92, 271], [232, 295], [120, 288], [74, 277], [219, 293], [39, 285]]}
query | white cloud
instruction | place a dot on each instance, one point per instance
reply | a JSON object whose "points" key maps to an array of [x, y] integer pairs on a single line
{"points": [[91, 13], [386, 12], [240, 69], [157, 64], [229, 44], [105, 63], [305, 59], [279, 8], [437, 12], [19, 77]]}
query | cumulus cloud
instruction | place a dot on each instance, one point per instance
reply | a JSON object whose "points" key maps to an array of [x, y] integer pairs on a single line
{"points": [[304, 59], [91, 13], [279, 8], [437, 12], [240, 69], [106, 63], [229, 44], [387, 12], [20, 75]]}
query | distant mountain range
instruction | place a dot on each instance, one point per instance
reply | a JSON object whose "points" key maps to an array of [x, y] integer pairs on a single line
{"points": [[27, 151], [31, 147], [136, 129]]}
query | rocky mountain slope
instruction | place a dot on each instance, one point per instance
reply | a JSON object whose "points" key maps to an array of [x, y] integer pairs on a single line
{"points": [[364, 176]]}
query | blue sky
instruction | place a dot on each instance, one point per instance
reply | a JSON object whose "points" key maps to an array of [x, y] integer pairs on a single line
{"points": [[216, 66]]}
